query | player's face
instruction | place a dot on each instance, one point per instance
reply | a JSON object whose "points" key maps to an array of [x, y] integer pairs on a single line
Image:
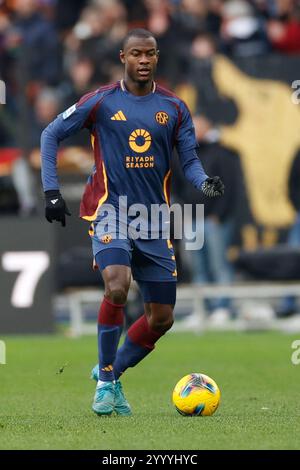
{"points": [[140, 57]]}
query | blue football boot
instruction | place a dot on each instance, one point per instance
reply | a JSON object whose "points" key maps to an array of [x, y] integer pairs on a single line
{"points": [[121, 405], [104, 399], [95, 373]]}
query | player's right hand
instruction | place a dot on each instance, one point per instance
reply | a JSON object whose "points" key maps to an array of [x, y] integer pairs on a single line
{"points": [[56, 208]]}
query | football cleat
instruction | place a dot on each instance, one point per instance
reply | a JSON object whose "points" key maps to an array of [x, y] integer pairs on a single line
{"points": [[122, 406], [95, 373], [104, 399]]}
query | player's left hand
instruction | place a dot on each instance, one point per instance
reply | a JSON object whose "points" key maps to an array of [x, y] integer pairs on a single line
{"points": [[213, 187]]}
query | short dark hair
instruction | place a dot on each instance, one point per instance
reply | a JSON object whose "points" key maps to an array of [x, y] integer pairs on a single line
{"points": [[137, 33]]}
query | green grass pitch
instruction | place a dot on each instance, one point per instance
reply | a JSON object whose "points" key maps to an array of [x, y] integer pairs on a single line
{"points": [[43, 407]]}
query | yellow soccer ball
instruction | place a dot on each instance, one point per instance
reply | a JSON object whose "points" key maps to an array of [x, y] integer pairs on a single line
{"points": [[196, 395]]}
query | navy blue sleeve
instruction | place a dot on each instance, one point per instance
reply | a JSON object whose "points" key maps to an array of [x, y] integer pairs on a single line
{"points": [[78, 116], [192, 168], [186, 145]]}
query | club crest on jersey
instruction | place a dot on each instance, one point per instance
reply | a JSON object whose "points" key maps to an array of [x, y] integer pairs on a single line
{"points": [[69, 111], [106, 238], [162, 118], [140, 140]]}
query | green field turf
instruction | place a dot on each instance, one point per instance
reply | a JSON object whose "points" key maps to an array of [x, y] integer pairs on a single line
{"points": [[41, 408]]}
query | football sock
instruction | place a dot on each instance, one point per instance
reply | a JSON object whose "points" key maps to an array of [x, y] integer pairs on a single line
{"points": [[110, 325], [138, 343]]}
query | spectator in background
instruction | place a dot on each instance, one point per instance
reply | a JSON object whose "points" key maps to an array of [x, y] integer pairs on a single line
{"points": [[242, 32], [24, 185], [289, 304], [9, 203], [284, 32], [208, 101], [161, 22], [196, 16], [211, 263], [67, 13], [279, 9], [294, 195], [99, 32], [190, 18], [30, 50], [5, 25], [7, 125], [36, 42], [88, 28], [46, 107], [80, 79], [136, 14]]}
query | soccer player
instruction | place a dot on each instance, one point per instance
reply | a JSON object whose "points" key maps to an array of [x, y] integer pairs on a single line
{"points": [[134, 125]]}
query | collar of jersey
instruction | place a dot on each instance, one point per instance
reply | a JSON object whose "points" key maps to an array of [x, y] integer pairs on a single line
{"points": [[135, 97]]}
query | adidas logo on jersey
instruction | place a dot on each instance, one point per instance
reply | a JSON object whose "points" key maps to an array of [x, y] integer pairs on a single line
{"points": [[119, 116], [54, 201]]}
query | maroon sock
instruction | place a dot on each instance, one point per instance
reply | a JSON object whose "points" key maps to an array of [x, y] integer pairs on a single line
{"points": [[140, 333], [139, 342], [110, 313]]}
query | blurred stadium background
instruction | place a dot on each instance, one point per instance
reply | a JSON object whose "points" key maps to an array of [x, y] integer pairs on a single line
{"points": [[235, 63]]}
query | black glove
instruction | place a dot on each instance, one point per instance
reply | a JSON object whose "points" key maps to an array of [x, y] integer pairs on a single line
{"points": [[56, 208], [213, 187]]}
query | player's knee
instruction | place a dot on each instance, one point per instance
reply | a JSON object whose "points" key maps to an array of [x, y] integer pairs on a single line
{"points": [[167, 324], [162, 322], [117, 295]]}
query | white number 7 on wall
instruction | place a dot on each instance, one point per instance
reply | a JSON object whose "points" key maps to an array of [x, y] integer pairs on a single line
{"points": [[32, 265]]}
